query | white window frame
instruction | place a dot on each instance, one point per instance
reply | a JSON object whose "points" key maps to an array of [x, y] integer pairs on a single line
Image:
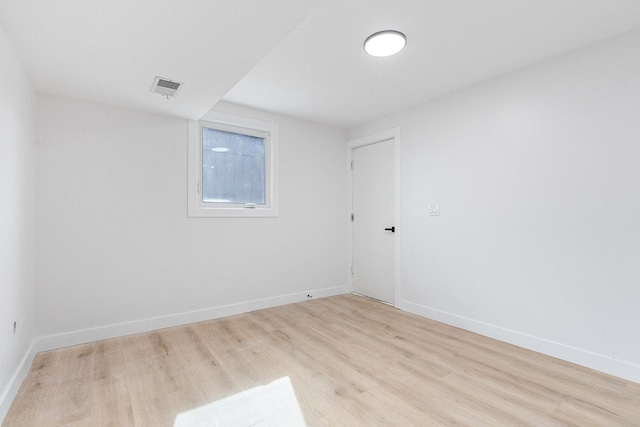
{"points": [[198, 208]]}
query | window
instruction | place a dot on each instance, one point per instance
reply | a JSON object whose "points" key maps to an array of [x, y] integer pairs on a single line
{"points": [[232, 167]]}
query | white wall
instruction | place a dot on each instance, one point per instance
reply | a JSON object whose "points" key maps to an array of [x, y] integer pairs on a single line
{"points": [[17, 221], [537, 174], [115, 245]]}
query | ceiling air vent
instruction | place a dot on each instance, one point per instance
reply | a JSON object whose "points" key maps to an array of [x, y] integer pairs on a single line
{"points": [[165, 87]]}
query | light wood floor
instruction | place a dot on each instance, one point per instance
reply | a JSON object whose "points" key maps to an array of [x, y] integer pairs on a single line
{"points": [[351, 361]]}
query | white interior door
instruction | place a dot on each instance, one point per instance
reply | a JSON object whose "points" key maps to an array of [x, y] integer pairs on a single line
{"points": [[374, 220]]}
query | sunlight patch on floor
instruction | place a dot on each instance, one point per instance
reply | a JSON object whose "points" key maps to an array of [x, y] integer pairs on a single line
{"points": [[274, 404]]}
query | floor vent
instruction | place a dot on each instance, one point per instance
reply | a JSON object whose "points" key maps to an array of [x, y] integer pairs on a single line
{"points": [[165, 87]]}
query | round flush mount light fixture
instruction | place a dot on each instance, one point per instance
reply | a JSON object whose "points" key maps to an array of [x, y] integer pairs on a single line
{"points": [[385, 43]]}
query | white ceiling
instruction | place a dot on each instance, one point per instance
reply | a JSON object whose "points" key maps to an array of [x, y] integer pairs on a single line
{"points": [[109, 51], [302, 58]]}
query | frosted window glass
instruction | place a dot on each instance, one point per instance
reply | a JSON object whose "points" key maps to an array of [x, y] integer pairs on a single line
{"points": [[233, 167]]}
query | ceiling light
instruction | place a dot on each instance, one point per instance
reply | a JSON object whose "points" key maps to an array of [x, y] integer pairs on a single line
{"points": [[385, 43]]}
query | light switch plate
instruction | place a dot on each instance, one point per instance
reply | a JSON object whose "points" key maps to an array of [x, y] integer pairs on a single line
{"points": [[434, 209]]}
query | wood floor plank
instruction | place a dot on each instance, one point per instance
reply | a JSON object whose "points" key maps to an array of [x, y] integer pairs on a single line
{"points": [[111, 404], [350, 360]]}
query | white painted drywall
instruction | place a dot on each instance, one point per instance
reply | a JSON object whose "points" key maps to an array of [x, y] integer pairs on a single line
{"points": [[115, 244], [17, 221], [537, 174]]}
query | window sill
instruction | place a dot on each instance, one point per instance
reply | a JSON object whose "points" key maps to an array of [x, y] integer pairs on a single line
{"points": [[218, 212]]}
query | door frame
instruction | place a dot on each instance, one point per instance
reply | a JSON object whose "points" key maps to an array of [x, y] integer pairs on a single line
{"points": [[395, 134]]}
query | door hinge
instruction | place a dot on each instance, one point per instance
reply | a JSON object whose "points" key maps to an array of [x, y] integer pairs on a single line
{"points": [[352, 217], [351, 164]]}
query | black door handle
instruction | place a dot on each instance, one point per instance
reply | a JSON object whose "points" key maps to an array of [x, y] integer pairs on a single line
{"points": [[392, 229]]}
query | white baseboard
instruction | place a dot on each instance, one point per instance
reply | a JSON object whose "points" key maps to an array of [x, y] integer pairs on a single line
{"points": [[11, 390], [599, 362], [67, 339]]}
